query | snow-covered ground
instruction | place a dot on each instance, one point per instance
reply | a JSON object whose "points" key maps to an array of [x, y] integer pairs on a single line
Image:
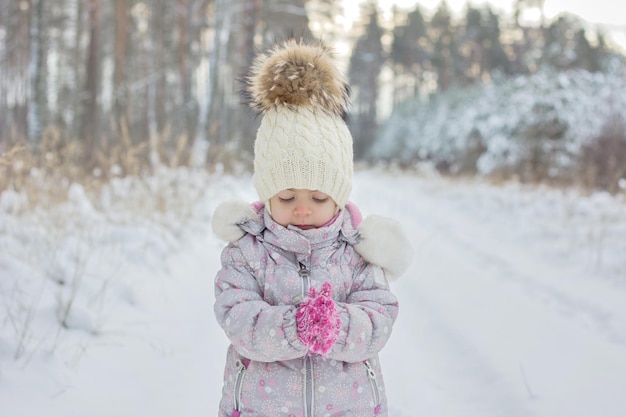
{"points": [[514, 305]]}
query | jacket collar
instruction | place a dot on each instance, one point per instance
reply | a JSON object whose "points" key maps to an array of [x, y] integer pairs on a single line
{"points": [[293, 239]]}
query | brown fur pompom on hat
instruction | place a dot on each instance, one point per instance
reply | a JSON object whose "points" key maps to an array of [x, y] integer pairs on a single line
{"points": [[303, 141], [297, 74]]}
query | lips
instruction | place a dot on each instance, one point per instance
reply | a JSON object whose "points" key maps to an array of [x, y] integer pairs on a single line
{"points": [[305, 226]]}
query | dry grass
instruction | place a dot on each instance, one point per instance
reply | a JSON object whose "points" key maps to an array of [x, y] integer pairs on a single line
{"points": [[41, 175], [44, 172]]}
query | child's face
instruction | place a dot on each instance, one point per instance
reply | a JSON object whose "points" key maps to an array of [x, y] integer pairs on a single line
{"points": [[305, 209]]}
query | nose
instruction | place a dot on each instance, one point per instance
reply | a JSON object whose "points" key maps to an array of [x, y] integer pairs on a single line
{"points": [[302, 210]]}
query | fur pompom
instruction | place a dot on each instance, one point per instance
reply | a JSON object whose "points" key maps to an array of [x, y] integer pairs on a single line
{"points": [[227, 218], [384, 243], [297, 74]]}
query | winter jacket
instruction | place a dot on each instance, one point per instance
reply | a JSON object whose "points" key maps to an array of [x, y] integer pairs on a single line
{"points": [[267, 270]]}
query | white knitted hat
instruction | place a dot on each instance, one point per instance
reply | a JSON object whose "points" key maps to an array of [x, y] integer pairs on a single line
{"points": [[303, 141]]}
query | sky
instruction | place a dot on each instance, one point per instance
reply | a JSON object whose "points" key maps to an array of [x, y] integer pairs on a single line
{"points": [[603, 12], [514, 304]]}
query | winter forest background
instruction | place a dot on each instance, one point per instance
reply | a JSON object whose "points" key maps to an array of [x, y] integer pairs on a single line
{"points": [[95, 89]]}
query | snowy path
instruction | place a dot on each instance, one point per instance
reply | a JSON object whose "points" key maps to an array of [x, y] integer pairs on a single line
{"points": [[496, 320], [489, 327]]}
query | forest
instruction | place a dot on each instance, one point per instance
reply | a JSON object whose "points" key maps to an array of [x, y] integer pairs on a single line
{"points": [[96, 89]]}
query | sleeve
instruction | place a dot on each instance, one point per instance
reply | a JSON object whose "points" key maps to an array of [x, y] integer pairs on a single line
{"points": [[367, 316], [257, 330]]}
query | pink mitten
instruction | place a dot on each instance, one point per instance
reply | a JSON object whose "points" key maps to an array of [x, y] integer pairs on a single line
{"points": [[318, 320]]}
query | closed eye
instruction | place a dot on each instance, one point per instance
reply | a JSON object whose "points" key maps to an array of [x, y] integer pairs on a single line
{"points": [[285, 200]]}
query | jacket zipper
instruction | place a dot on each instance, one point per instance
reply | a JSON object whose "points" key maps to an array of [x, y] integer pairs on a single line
{"points": [[241, 372], [308, 386], [374, 384], [308, 363], [306, 280]]}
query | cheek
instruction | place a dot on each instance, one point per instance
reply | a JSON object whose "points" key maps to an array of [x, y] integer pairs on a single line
{"points": [[280, 216], [327, 213], [278, 212]]}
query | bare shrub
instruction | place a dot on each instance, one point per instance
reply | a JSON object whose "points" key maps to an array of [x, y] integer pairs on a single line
{"points": [[603, 160], [12, 169], [43, 172]]}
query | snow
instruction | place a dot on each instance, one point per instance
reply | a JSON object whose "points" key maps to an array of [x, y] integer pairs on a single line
{"points": [[514, 305], [505, 116]]}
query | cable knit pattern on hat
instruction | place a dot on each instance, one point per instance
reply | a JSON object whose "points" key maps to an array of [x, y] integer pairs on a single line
{"points": [[303, 141], [303, 149]]}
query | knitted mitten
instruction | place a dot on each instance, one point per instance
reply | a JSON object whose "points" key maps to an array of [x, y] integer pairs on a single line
{"points": [[318, 320]]}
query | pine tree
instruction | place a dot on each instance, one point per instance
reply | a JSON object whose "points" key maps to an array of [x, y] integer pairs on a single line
{"points": [[410, 55], [366, 64]]}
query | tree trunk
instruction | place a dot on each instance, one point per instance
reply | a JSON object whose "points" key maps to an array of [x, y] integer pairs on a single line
{"points": [[120, 51], [37, 71], [89, 121], [14, 67]]}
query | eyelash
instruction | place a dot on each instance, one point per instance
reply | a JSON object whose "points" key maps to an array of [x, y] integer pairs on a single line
{"points": [[289, 200]]}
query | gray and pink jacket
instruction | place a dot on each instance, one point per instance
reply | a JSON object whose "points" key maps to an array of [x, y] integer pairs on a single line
{"points": [[267, 270]]}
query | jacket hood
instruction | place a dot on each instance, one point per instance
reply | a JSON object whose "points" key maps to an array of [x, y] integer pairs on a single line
{"points": [[379, 240]]}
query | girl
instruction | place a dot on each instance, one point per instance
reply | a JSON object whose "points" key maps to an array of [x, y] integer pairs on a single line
{"points": [[303, 292]]}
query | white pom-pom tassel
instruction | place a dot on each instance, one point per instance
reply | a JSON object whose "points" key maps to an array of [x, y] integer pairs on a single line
{"points": [[384, 243], [227, 218]]}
